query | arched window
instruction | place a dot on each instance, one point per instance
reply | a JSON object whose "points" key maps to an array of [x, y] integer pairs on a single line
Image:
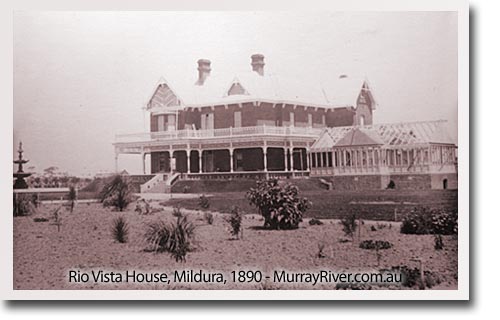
{"points": [[362, 120]]}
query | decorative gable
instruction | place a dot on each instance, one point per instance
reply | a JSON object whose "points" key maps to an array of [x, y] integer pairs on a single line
{"points": [[163, 96], [237, 89], [365, 96]]}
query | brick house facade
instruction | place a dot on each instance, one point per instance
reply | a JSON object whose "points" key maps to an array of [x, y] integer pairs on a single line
{"points": [[253, 124]]}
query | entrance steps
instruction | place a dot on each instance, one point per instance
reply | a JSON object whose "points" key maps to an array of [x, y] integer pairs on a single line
{"points": [[160, 183]]}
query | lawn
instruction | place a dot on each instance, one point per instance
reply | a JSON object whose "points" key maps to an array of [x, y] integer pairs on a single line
{"points": [[386, 205], [43, 256]]}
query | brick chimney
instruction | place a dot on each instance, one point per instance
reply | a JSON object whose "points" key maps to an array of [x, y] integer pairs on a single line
{"points": [[258, 63], [203, 71]]}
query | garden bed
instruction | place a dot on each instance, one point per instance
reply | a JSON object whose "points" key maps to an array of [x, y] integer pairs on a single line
{"points": [[43, 256]]}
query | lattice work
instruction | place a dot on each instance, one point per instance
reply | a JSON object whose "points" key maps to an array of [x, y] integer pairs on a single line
{"points": [[163, 97]]}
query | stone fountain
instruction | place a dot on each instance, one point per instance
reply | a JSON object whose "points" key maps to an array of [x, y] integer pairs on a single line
{"points": [[20, 175]]}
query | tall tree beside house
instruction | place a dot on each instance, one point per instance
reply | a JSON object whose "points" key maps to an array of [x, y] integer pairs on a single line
{"points": [[117, 193]]}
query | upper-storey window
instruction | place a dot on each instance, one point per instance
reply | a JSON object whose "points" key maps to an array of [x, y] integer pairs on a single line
{"points": [[309, 120], [362, 120], [207, 121], [292, 119], [237, 119]]}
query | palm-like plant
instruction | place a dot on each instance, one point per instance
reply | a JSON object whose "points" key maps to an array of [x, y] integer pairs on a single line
{"points": [[117, 193], [176, 238], [120, 229]]}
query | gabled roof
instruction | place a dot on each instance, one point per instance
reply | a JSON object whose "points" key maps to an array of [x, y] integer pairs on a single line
{"points": [[163, 96], [339, 92], [388, 135], [360, 137]]}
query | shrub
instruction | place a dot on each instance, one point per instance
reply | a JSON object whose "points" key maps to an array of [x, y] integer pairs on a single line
{"points": [[321, 248], [377, 245], [72, 197], [372, 228], [209, 217], [315, 221], [234, 221], [383, 225], [23, 205], [411, 277], [120, 229], [391, 185], [430, 221], [281, 207], [117, 193], [177, 212], [438, 242], [176, 238], [142, 207], [349, 225], [203, 202]]}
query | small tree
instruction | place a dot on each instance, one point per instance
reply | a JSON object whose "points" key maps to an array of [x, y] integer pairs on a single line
{"points": [[117, 193], [234, 221], [72, 197], [349, 225], [56, 216], [281, 207]]}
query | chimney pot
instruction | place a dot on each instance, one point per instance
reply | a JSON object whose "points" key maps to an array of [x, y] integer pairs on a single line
{"points": [[258, 63], [203, 71]]}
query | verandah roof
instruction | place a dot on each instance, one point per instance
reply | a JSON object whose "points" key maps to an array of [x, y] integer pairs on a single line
{"points": [[389, 135]]}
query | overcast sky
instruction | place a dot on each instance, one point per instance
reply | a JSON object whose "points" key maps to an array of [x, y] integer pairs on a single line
{"points": [[81, 78]]}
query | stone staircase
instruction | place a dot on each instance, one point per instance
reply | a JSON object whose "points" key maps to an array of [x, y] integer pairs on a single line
{"points": [[160, 183]]}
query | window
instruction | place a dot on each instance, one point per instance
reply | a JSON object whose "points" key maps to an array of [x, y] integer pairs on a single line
{"points": [[161, 123], [237, 119], [170, 125], [207, 121], [309, 120], [292, 119], [362, 120]]}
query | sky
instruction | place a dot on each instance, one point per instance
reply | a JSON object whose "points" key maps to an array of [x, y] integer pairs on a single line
{"points": [[82, 77]]}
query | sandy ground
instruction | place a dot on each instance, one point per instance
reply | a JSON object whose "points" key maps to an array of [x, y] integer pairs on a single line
{"points": [[43, 256]]}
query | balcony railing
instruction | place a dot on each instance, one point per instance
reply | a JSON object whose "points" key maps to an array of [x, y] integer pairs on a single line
{"points": [[218, 133]]}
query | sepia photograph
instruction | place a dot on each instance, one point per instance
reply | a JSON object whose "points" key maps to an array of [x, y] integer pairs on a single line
{"points": [[237, 150]]}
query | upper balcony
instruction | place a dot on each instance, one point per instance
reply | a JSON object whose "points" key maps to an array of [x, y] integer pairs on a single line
{"points": [[188, 134]]}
